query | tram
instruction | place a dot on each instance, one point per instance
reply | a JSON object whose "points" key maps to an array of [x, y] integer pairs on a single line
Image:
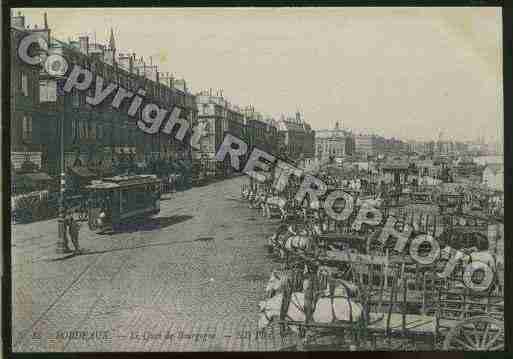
{"points": [[116, 200]]}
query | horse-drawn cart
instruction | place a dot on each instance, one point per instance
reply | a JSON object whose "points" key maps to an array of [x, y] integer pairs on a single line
{"points": [[344, 285], [384, 304]]}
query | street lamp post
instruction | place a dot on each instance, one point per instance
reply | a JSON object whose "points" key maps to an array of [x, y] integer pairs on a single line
{"points": [[61, 228]]}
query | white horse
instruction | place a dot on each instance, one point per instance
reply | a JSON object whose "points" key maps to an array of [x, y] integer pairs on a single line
{"points": [[301, 242], [251, 197], [326, 310], [279, 238], [303, 238], [245, 192], [259, 200], [279, 279], [295, 238], [275, 202]]}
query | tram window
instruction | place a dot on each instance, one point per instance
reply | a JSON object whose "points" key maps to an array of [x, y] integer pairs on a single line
{"points": [[125, 201], [140, 199]]}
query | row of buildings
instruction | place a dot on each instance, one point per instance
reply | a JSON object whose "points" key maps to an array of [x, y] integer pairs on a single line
{"points": [[94, 137], [340, 152], [290, 136], [339, 144], [100, 140], [450, 147]]}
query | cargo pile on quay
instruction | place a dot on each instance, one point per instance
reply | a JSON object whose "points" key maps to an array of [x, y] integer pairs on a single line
{"points": [[348, 283]]}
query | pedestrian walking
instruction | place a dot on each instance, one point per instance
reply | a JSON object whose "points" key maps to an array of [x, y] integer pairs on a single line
{"points": [[74, 229], [67, 221]]}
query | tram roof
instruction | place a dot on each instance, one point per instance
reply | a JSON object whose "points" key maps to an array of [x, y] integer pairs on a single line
{"points": [[123, 181], [103, 185]]}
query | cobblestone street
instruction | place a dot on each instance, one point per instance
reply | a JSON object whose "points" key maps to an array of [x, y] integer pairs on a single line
{"points": [[188, 279]]}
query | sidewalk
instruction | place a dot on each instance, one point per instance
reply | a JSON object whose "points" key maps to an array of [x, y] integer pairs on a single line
{"points": [[41, 277], [37, 242]]}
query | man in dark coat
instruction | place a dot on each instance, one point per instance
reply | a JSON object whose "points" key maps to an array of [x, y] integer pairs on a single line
{"points": [[67, 222], [74, 229]]}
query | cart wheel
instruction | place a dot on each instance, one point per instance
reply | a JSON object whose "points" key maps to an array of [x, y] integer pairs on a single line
{"points": [[478, 333]]}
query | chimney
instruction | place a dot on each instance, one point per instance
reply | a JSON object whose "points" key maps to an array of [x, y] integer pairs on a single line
{"points": [[126, 62], [84, 44], [45, 18], [18, 21]]}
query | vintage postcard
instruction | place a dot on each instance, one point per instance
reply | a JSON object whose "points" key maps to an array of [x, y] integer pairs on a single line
{"points": [[256, 179]]}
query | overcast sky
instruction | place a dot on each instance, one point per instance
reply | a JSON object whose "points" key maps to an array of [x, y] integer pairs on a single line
{"points": [[404, 72]]}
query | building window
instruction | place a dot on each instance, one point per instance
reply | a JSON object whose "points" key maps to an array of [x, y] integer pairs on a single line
{"points": [[83, 130], [24, 84], [106, 133], [47, 91], [27, 128], [92, 131], [74, 129], [75, 100], [99, 131]]}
